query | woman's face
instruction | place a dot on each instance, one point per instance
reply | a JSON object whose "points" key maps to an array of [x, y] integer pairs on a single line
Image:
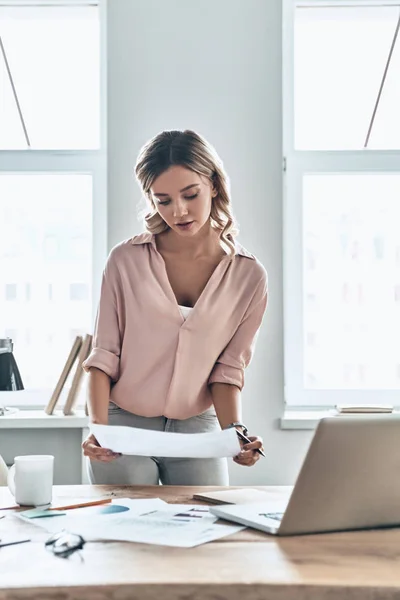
{"points": [[183, 199]]}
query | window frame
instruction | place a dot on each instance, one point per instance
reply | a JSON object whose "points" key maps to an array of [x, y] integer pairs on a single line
{"points": [[296, 163], [93, 162]]}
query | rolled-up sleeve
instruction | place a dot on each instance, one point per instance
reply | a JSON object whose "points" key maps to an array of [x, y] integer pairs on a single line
{"points": [[105, 354], [237, 355]]}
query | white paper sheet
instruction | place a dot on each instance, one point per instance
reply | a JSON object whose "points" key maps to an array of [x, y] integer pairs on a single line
{"points": [[144, 442], [151, 521], [186, 513], [162, 532], [75, 518]]}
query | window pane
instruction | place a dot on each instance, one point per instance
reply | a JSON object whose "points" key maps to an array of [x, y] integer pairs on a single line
{"points": [[11, 291], [54, 58], [351, 280], [41, 216], [340, 56]]}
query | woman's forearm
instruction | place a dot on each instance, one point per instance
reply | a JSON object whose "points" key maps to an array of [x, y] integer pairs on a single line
{"points": [[98, 396], [227, 403]]}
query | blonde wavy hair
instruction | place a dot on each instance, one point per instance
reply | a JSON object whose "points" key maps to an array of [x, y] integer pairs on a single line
{"points": [[186, 149]]}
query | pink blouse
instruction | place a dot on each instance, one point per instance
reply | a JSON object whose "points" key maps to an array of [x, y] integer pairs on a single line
{"points": [[159, 363]]}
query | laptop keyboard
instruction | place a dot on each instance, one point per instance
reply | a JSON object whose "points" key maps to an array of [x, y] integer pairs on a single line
{"points": [[277, 516]]}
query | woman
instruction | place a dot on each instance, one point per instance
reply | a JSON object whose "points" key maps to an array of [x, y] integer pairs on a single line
{"points": [[179, 310]]}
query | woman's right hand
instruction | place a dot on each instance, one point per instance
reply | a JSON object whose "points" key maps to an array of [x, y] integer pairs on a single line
{"points": [[93, 450]]}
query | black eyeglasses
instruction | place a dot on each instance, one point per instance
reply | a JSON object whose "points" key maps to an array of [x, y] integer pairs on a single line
{"points": [[63, 544]]}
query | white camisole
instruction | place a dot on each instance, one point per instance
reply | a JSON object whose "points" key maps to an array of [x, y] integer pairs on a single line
{"points": [[185, 311]]}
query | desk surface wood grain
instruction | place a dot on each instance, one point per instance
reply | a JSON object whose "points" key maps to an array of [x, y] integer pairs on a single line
{"points": [[250, 565]]}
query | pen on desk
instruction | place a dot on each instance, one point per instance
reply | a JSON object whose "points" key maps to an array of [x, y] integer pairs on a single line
{"points": [[246, 439], [67, 507], [82, 504], [12, 542]]}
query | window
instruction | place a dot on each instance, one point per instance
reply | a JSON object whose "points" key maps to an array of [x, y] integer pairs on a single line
{"points": [[342, 202], [336, 84], [11, 333], [52, 182], [11, 292], [78, 291], [50, 246], [49, 75]]}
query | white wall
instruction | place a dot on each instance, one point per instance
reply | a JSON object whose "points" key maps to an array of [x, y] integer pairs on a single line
{"points": [[213, 66]]}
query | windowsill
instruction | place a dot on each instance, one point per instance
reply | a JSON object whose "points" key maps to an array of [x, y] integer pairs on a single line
{"points": [[37, 419], [37, 399], [296, 418], [308, 418]]}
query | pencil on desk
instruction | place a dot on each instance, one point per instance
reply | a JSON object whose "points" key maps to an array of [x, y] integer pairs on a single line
{"points": [[82, 504]]}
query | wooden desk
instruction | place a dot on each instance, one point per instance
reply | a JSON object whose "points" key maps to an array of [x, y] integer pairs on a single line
{"points": [[250, 565]]}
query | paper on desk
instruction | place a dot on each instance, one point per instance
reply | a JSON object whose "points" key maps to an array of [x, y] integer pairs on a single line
{"points": [[74, 519], [187, 513], [144, 442], [160, 531], [167, 526], [150, 521]]}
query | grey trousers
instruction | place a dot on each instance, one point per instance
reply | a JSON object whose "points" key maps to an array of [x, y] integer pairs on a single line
{"points": [[143, 470]]}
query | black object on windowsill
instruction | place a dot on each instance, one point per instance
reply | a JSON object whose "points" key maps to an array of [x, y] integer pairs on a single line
{"points": [[10, 378]]}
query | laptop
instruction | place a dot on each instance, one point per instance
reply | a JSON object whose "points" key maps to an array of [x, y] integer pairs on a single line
{"points": [[350, 479]]}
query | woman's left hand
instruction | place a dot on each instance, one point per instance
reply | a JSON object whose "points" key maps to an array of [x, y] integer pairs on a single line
{"points": [[248, 455]]}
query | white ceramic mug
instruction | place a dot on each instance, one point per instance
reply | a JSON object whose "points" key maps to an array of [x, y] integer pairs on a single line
{"points": [[30, 479]]}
